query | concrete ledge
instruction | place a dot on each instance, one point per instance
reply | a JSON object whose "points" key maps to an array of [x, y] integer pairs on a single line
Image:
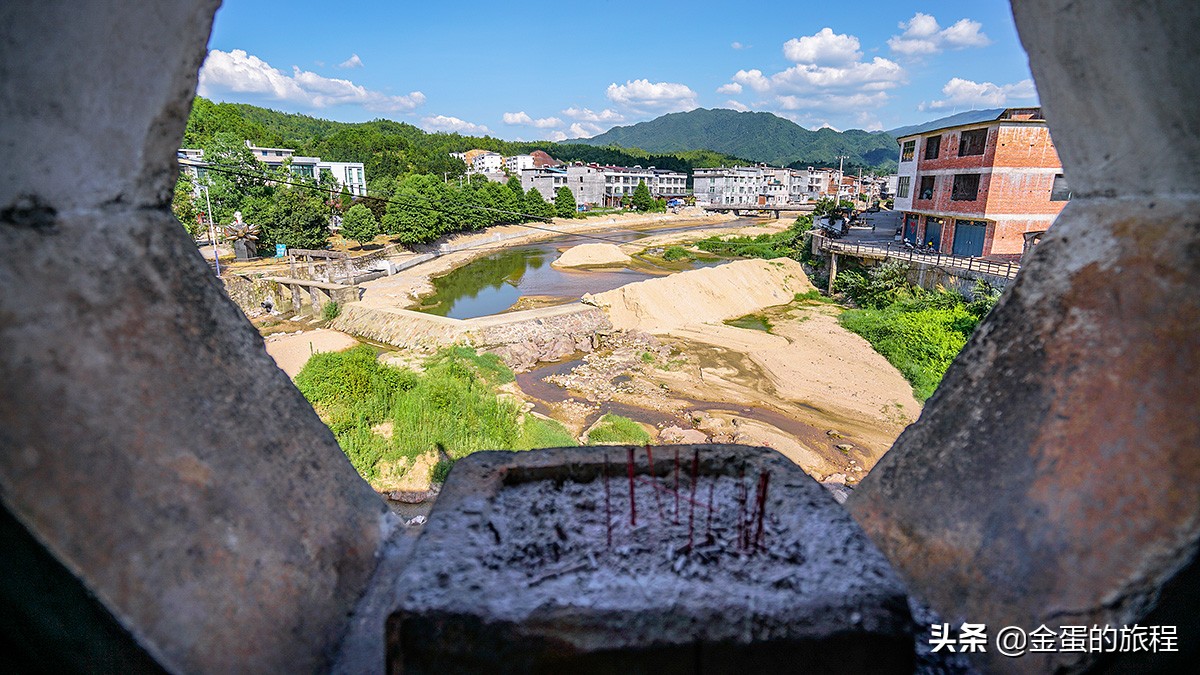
{"points": [[536, 562]]}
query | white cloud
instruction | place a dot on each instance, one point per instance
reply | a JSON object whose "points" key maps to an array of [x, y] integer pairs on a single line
{"points": [[923, 35], [657, 95], [237, 71], [524, 119], [962, 93], [731, 88], [738, 45], [452, 124], [823, 48], [583, 130], [352, 62], [587, 115], [556, 136], [737, 105], [752, 78]]}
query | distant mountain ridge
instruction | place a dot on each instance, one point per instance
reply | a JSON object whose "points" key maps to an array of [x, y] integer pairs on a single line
{"points": [[757, 136]]}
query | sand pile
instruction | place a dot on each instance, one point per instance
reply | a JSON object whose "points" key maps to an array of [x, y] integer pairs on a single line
{"points": [[707, 295], [592, 255]]}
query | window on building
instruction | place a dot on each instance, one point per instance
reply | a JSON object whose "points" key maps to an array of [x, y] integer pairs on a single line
{"points": [[926, 188], [907, 150], [933, 145], [972, 142], [966, 187], [1060, 191]]}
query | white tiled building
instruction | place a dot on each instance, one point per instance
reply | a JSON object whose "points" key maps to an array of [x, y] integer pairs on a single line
{"points": [[518, 163], [487, 162], [348, 174], [724, 186]]}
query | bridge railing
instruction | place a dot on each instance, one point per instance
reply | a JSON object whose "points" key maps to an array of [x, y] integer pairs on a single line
{"points": [[895, 251]]}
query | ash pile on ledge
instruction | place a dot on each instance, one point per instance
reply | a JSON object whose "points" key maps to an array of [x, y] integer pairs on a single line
{"points": [[668, 559]]}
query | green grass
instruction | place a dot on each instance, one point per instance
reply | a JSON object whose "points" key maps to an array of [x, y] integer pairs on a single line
{"points": [[453, 405], [751, 322], [813, 297], [616, 430], [920, 342], [674, 253]]}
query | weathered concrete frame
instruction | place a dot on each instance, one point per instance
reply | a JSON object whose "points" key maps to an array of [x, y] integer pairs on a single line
{"points": [[151, 446]]}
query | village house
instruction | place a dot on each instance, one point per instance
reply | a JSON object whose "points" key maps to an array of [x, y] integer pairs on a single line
{"points": [[348, 174], [977, 188]]}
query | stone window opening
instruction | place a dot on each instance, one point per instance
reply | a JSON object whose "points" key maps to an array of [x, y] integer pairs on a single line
{"points": [[1059, 190]]}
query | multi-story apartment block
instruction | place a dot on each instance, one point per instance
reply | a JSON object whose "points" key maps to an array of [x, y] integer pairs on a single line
{"points": [[667, 184], [776, 186], [727, 186], [621, 181], [586, 182], [518, 163], [487, 162], [976, 188]]}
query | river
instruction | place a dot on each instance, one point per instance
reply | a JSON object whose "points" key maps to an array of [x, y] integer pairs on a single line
{"points": [[494, 283]]}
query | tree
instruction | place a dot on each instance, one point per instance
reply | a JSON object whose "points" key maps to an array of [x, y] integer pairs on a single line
{"points": [[298, 219], [183, 204], [641, 200], [514, 186], [535, 205], [564, 203], [359, 224], [411, 214]]}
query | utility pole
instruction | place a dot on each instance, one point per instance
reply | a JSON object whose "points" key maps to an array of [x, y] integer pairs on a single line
{"points": [[212, 233]]}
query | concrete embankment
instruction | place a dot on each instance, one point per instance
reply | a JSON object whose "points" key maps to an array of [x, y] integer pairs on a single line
{"points": [[522, 338], [705, 295]]}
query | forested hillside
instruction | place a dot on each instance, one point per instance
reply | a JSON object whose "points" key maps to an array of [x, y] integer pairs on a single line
{"points": [[757, 136], [391, 150]]}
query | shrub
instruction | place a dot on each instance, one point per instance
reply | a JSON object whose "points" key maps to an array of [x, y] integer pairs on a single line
{"points": [[616, 430], [330, 311], [675, 253]]}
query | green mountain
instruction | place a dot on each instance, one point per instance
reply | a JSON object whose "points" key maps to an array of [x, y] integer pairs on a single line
{"points": [[757, 136], [390, 150]]}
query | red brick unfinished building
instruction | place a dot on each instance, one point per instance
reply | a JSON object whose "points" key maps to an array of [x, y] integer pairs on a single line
{"points": [[974, 184]]}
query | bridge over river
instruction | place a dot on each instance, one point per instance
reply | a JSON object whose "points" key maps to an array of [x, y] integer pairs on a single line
{"points": [[747, 209]]}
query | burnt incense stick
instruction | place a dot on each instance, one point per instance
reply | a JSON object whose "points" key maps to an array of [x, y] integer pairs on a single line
{"points": [[632, 499]]}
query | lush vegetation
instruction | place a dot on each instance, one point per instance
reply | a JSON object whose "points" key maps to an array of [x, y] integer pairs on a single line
{"points": [[794, 242], [673, 253], [419, 192], [757, 136], [920, 332], [452, 408], [616, 430]]}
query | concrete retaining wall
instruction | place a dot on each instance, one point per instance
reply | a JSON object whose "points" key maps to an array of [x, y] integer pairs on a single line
{"points": [[406, 328]]}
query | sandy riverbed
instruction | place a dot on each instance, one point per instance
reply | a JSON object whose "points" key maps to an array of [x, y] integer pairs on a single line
{"points": [[292, 351]]}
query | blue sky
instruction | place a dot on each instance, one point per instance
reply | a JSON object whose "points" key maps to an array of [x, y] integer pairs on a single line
{"points": [[561, 70]]}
